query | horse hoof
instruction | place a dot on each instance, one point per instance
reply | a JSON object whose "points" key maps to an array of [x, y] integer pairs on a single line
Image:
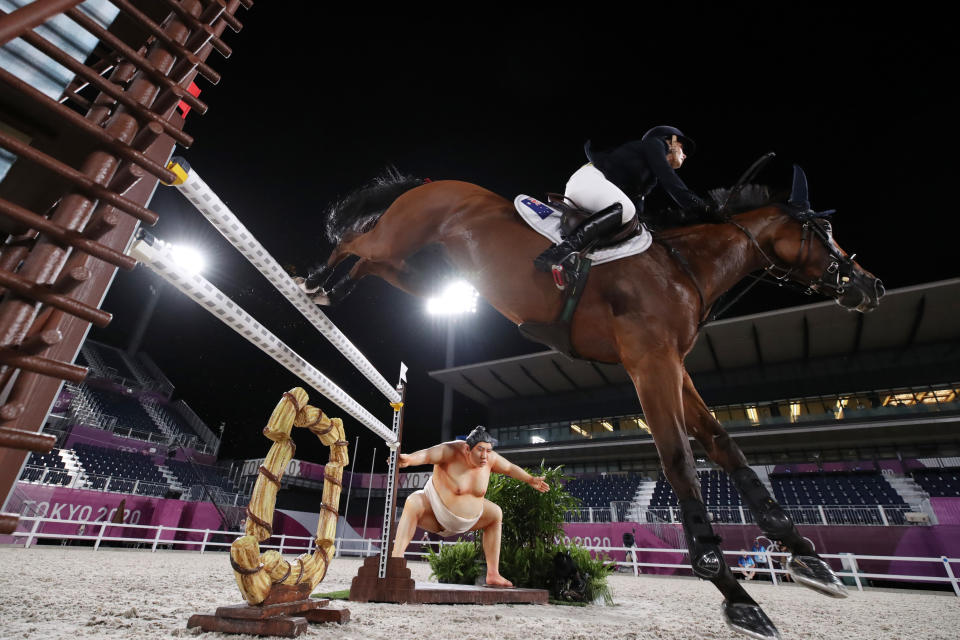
{"points": [[321, 298], [750, 620], [301, 282], [814, 573]]}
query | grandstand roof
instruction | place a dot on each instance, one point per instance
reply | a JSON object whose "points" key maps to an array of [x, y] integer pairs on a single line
{"points": [[907, 317]]}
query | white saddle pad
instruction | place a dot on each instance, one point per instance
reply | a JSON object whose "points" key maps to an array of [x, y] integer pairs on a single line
{"points": [[545, 220]]}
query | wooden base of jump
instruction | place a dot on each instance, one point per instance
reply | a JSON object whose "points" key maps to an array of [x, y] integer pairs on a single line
{"points": [[277, 616], [399, 587]]}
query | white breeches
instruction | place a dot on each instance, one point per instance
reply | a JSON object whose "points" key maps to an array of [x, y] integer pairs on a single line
{"points": [[592, 191]]}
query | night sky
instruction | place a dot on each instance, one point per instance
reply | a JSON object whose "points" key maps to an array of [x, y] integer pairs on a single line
{"points": [[311, 107]]}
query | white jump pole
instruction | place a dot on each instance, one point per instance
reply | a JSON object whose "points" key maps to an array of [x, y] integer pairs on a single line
{"points": [[213, 209], [220, 306]]}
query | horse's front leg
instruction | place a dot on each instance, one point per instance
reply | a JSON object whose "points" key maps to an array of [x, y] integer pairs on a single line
{"points": [[657, 375], [804, 564]]}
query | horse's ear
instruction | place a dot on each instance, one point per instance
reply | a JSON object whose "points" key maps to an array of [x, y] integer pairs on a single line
{"points": [[800, 197], [799, 193]]}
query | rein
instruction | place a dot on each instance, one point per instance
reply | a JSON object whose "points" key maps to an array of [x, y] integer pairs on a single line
{"points": [[840, 267]]}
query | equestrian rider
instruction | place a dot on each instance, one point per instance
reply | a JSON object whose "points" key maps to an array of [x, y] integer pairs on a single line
{"points": [[603, 184]]}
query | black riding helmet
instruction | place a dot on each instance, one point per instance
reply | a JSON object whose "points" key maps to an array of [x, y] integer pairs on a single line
{"points": [[664, 132]]}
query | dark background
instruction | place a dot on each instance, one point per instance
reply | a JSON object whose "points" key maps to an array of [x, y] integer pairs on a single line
{"points": [[312, 106]]}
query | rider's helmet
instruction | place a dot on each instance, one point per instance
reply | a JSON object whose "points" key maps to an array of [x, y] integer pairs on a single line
{"points": [[664, 132]]}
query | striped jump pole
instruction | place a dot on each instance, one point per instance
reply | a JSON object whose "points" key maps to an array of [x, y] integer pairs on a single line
{"points": [[218, 213], [154, 254]]}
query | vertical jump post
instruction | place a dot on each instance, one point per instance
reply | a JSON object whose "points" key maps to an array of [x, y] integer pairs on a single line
{"points": [[390, 498]]}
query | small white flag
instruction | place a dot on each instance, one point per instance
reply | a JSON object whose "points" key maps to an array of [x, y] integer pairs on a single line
{"points": [[403, 372]]}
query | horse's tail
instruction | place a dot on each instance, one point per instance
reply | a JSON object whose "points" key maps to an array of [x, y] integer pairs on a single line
{"points": [[359, 210]]}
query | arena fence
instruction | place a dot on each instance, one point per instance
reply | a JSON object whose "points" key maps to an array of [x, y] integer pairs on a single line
{"points": [[871, 515], [159, 538]]}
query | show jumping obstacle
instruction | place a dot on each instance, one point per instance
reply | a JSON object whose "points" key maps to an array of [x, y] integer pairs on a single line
{"points": [[381, 578]]}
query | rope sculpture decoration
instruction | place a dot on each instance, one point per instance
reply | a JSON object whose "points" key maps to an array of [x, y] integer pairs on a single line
{"points": [[268, 576]]}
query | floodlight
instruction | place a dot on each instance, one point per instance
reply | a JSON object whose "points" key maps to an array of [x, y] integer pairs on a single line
{"points": [[457, 298]]}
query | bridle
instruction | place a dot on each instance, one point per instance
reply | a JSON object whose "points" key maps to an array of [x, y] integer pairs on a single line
{"points": [[835, 276], [831, 283]]}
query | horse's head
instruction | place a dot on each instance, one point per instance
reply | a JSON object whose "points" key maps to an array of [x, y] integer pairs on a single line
{"points": [[813, 258]]}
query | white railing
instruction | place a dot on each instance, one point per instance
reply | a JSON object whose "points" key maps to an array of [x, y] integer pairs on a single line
{"points": [[872, 515], [590, 514], [848, 560], [863, 515], [197, 493], [158, 537], [93, 482]]}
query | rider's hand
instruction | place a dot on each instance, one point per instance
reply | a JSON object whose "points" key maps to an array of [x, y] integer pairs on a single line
{"points": [[538, 483]]}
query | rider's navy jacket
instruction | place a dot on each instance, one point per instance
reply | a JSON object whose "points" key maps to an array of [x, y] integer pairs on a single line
{"points": [[637, 167]]}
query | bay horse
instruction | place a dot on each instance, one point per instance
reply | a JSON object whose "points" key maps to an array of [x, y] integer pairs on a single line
{"points": [[643, 311]]}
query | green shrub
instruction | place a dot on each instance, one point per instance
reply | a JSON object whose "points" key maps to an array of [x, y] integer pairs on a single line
{"points": [[532, 525], [456, 563], [529, 515], [532, 567]]}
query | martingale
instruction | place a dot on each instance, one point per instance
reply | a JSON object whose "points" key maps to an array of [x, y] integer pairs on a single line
{"points": [[259, 575]]}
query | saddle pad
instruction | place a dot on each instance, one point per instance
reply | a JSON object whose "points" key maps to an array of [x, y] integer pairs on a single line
{"points": [[545, 220]]}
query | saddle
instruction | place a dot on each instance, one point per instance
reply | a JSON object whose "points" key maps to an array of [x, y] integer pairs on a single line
{"points": [[574, 216]]}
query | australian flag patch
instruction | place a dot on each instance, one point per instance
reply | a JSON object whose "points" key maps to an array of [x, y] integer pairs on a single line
{"points": [[538, 208]]}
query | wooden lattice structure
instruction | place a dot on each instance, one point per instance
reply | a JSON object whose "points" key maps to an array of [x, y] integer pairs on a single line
{"points": [[87, 163]]}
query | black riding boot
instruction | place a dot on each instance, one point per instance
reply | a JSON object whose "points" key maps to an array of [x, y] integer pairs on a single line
{"points": [[602, 222]]}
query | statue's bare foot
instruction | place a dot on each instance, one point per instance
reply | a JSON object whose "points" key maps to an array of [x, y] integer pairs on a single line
{"points": [[497, 580]]}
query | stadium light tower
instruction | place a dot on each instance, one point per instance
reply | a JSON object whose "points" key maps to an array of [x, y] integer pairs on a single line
{"points": [[457, 299]]}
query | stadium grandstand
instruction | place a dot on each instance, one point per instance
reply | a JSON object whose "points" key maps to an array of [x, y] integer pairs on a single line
{"points": [[120, 433]]}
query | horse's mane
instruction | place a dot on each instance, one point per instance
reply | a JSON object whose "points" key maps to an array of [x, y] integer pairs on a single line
{"points": [[361, 208], [726, 203]]}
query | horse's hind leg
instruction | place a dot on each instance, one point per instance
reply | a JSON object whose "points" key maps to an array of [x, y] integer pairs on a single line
{"points": [[804, 565], [400, 278], [383, 252], [319, 277], [658, 378]]}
